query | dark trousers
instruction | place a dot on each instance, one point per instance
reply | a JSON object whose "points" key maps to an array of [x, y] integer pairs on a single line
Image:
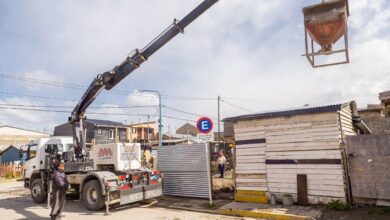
{"points": [[221, 168], [58, 203]]}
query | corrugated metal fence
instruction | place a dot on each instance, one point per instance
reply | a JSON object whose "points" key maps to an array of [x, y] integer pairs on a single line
{"points": [[186, 170]]}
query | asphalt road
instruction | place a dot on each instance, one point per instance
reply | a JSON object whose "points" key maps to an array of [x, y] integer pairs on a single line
{"points": [[15, 203]]}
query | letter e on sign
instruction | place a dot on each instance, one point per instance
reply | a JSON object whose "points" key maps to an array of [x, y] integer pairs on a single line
{"points": [[204, 125]]}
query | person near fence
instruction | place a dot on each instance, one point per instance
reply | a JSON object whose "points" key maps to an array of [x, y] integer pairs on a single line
{"points": [[221, 163], [60, 185]]}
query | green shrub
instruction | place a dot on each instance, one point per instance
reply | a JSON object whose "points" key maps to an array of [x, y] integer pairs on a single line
{"points": [[209, 206], [384, 211], [8, 175], [338, 205]]}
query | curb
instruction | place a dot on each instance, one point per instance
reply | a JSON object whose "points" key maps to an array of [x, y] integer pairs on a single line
{"points": [[261, 214], [190, 209]]}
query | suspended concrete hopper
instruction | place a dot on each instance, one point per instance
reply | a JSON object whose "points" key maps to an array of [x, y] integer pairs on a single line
{"points": [[325, 24]]}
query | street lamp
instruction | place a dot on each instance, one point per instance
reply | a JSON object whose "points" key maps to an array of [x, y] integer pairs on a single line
{"points": [[159, 119]]}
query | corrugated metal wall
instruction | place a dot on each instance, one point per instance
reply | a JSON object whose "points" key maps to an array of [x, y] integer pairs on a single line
{"points": [[186, 170]]}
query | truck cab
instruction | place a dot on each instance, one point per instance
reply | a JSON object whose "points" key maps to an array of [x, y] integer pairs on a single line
{"points": [[36, 164]]}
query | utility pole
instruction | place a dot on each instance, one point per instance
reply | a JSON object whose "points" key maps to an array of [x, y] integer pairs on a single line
{"points": [[148, 130], [219, 120], [160, 115]]}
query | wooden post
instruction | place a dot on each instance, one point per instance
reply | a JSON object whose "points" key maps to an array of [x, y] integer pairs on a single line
{"points": [[302, 189]]}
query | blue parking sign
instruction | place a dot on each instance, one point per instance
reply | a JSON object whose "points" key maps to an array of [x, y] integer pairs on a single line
{"points": [[204, 125]]}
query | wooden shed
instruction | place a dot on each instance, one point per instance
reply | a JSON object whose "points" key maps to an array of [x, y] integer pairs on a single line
{"points": [[274, 148]]}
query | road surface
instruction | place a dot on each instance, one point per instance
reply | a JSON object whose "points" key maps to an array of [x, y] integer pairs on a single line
{"points": [[15, 203]]}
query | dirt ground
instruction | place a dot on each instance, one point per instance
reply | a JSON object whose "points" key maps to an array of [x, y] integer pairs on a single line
{"points": [[360, 213], [16, 203]]}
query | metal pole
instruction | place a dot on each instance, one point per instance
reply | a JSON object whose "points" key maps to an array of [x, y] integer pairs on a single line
{"points": [[160, 115], [219, 121], [148, 130], [159, 120], [49, 192]]}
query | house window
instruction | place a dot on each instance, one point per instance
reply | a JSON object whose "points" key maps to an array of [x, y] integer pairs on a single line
{"points": [[111, 134], [99, 131]]}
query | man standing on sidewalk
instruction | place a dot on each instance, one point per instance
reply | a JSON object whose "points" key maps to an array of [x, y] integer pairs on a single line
{"points": [[221, 163], [60, 185]]}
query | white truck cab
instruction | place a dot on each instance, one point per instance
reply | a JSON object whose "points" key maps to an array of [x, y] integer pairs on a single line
{"points": [[36, 164]]}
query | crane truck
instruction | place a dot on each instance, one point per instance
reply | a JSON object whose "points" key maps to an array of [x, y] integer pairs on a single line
{"points": [[106, 174]]}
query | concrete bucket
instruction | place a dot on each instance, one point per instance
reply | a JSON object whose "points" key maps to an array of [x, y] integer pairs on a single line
{"points": [[325, 23]]}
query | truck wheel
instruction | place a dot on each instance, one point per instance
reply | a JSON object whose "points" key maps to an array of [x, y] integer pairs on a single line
{"points": [[38, 194], [92, 195]]}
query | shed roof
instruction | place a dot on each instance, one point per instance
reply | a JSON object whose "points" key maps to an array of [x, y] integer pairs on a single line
{"points": [[287, 112]]}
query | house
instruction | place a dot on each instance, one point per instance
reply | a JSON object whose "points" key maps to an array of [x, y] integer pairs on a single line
{"points": [[143, 131], [187, 129], [384, 97], [97, 131], [374, 115], [10, 154], [275, 148], [15, 136]]}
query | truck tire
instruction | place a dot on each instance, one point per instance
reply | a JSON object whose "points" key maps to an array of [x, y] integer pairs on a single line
{"points": [[92, 195], [38, 194]]}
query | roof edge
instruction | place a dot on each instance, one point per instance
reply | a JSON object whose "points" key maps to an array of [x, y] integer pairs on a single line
{"points": [[289, 112]]}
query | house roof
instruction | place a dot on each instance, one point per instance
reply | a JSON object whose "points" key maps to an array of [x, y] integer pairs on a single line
{"points": [[286, 112], [143, 123], [97, 122], [384, 96], [371, 108], [11, 130], [1, 153]]}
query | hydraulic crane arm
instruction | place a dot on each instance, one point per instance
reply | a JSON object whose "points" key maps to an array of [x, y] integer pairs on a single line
{"points": [[111, 78]]}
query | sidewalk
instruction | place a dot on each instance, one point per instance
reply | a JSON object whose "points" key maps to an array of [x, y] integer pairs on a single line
{"points": [[266, 211]]}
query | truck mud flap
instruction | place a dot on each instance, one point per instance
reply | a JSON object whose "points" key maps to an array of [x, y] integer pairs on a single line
{"points": [[152, 191], [131, 195]]}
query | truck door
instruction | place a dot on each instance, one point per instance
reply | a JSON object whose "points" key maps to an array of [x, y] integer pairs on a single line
{"points": [[32, 162]]}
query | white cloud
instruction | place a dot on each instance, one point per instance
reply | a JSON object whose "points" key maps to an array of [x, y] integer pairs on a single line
{"points": [[142, 98], [8, 114], [245, 49]]}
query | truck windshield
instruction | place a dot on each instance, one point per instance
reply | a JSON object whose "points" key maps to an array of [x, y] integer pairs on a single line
{"points": [[68, 147], [32, 151]]}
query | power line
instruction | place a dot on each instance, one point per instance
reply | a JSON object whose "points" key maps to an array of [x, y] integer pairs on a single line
{"points": [[94, 113], [242, 99], [118, 106], [114, 91], [182, 111], [53, 98], [185, 112], [236, 106], [95, 107], [188, 98]]}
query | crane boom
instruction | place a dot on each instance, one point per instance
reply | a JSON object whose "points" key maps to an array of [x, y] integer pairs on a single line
{"points": [[109, 79]]}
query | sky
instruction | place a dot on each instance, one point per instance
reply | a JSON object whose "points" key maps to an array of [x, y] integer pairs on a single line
{"points": [[248, 52]]}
